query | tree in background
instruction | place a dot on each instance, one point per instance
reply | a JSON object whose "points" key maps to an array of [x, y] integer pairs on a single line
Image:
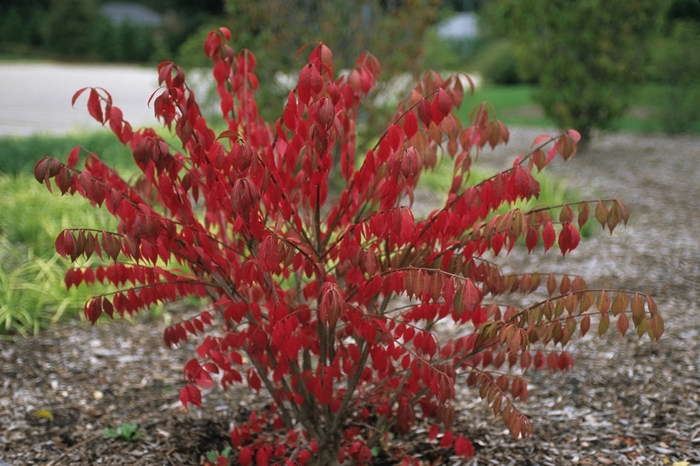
{"points": [[69, 26], [586, 55], [392, 30], [684, 10]]}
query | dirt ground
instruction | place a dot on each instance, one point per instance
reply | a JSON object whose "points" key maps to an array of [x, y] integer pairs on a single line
{"points": [[627, 402]]}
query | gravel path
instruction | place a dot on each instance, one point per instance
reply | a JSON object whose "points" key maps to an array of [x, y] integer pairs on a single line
{"points": [[627, 401]]}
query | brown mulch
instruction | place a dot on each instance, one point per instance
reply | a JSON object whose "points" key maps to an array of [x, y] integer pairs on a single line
{"points": [[626, 402]]}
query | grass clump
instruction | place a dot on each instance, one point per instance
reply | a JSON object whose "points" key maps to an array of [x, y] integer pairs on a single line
{"points": [[32, 293]]}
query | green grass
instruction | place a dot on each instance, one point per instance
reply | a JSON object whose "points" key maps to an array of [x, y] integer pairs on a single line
{"points": [[32, 295], [32, 292], [33, 216], [20, 154], [515, 107]]}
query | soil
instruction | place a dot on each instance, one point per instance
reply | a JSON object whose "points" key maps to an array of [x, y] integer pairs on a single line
{"points": [[626, 402]]}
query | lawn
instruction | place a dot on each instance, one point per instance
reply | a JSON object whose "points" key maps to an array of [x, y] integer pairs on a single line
{"points": [[515, 107]]}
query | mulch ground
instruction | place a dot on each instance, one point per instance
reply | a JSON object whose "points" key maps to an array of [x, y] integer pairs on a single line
{"points": [[626, 401]]}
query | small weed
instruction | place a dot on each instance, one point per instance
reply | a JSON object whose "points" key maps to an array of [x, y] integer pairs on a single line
{"points": [[218, 458], [125, 432]]}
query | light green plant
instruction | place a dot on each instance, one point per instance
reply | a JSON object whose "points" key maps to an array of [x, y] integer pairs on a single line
{"points": [[126, 431], [34, 219], [214, 455], [32, 291]]}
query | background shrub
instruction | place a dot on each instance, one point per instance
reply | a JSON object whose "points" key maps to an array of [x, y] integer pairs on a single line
{"points": [[497, 63], [676, 67], [123, 42], [586, 55], [20, 26], [69, 27]]}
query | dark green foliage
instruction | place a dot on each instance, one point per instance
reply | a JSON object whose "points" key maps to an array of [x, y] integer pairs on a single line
{"points": [[123, 42], [676, 66], [69, 26], [463, 5], [684, 10], [586, 55], [497, 63], [75, 29], [19, 26]]}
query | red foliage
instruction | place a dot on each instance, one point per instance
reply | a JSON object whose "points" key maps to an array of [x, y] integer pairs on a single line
{"points": [[328, 300]]}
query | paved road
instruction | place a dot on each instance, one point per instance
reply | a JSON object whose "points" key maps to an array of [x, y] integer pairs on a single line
{"points": [[36, 97]]}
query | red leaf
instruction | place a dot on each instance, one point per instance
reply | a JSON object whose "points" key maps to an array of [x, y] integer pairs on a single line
{"points": [[446, 440], [116, 121], [68, 242], [69, 277], [410, 124], [463, 447], [107, 307], [72, 160], [540, 139], [574, 135], [226, 32], [433, 432], [332, 304], [59, 244], [245, 457], [190, 394], [424, 112], [601, 213], [77, 94], [657, 326], [41, 169], [261, 458], [532, 238], [94, 107], [436, 112], [472, 296], [310, 81], [548, 235], [93, 310], [407, 224], [622, 324], [254, 381], [569, 238]]}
